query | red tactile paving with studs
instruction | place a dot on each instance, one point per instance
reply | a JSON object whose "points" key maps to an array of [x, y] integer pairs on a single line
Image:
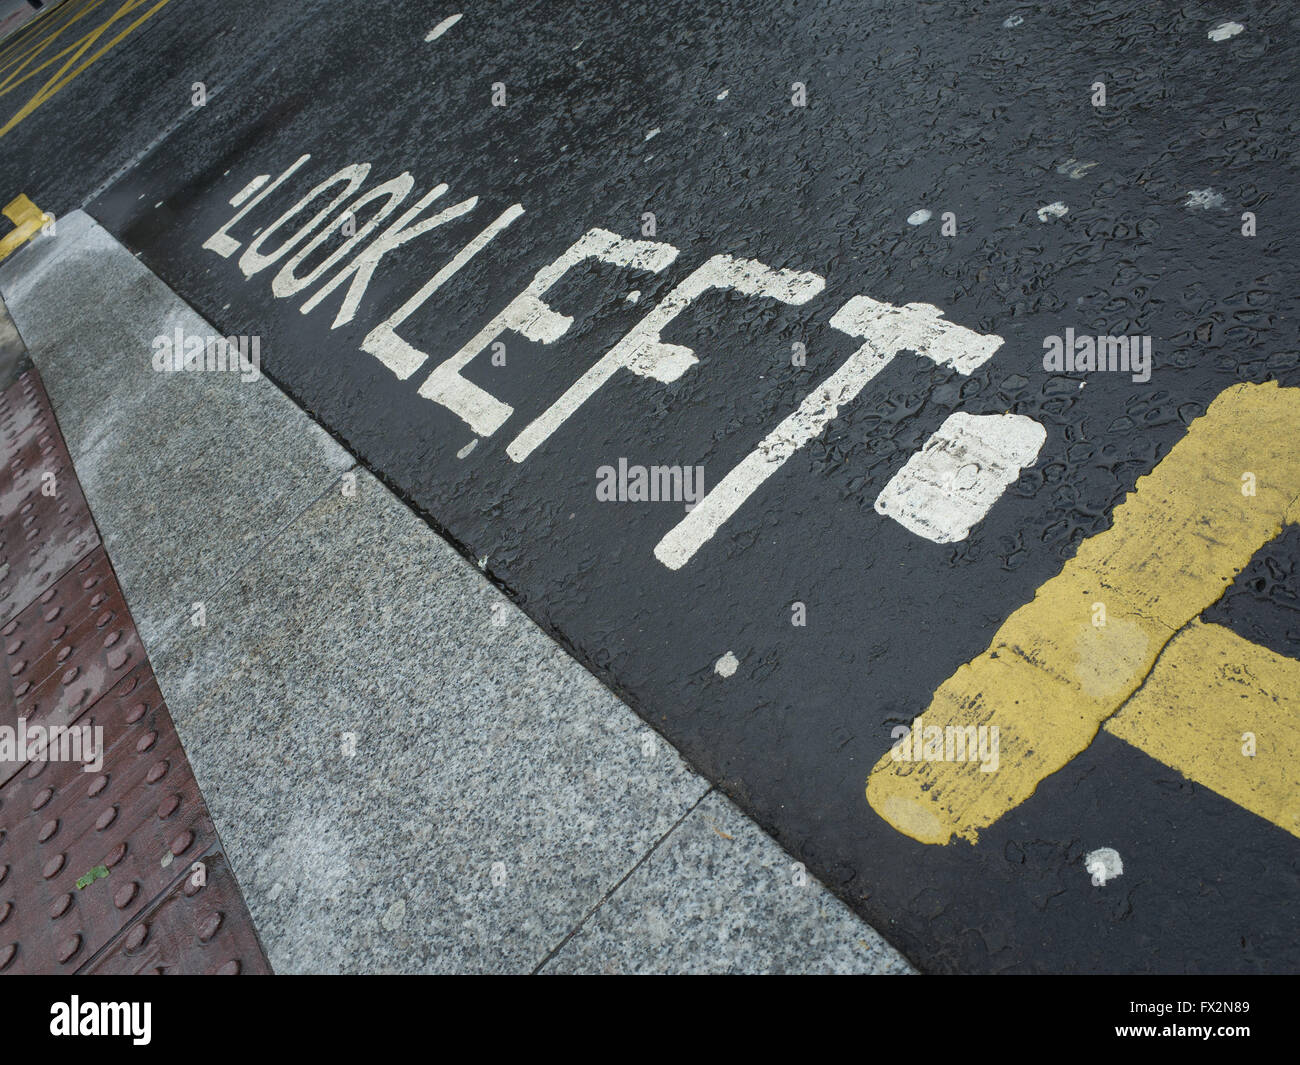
{"points": [[117, 869]]}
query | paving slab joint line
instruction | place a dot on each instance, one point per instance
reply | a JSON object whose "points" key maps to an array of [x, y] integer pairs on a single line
{"points": [[623, 879], [262, 547], [113, 943]]}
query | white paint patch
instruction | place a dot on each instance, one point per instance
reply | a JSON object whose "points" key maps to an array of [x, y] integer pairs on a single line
{"points": [[633, 296], [723, 94], [1012, 21], [1203, 198], [653, 133], [887, 330], [1075, 168], [1226, 30], [948, 487], [727, 665], [442, 28], [1103, 864], [500, 615], [247, 190], [917, 218], [464, 452], [1052, 210]]}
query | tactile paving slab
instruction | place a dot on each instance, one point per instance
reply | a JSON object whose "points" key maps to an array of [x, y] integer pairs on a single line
{"points": [[45, 524], [201, 926], [101, 822], [136, 817], [68, 648]]}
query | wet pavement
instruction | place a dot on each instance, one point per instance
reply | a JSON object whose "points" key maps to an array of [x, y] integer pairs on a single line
{"points": [[843, 243]]}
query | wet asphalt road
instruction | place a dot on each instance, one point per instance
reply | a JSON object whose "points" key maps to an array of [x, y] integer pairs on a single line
{"points": [[939, 107]]}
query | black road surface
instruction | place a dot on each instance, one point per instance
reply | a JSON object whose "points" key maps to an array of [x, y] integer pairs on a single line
{"points": [[803, 136]]}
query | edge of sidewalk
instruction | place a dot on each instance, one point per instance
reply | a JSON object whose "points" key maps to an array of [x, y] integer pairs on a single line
{"points": [[664, 875]]}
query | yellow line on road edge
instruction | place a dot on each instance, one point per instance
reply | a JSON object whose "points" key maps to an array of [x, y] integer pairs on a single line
{"points": [[28, 220], [1052, 675]]}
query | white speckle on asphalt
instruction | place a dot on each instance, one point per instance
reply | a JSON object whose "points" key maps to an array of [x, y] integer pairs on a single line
{"points": [[920, 217], [1203, 198], [1226, 30], [727, 665], [1052, 210], [1103, 864]]}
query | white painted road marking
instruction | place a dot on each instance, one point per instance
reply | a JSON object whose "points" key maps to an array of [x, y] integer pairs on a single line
{"points": [[383, 342], [947, 487], [442, 28], [644, 353], [529, 315], [350, 177], [247, 190], [1203, 198], [363, 266], [224, 244], [887, 330], [393, 192]]}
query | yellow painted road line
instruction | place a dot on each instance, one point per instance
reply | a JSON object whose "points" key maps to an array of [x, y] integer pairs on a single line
{"points": [[46, 24], [66, 75], [30, 32], [1226, 713], [74, 50], [29, 51], [1052, 675], [28, 220], [9, 83]]}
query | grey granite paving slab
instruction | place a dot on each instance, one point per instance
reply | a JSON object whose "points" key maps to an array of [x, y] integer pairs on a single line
{"points": [[720, 896], [495, 790], [187, 473]]}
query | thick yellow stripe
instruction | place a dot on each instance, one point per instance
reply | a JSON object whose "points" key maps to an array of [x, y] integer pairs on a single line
{"points": [[1050, 677], [28, 220], [1208, 691]]}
